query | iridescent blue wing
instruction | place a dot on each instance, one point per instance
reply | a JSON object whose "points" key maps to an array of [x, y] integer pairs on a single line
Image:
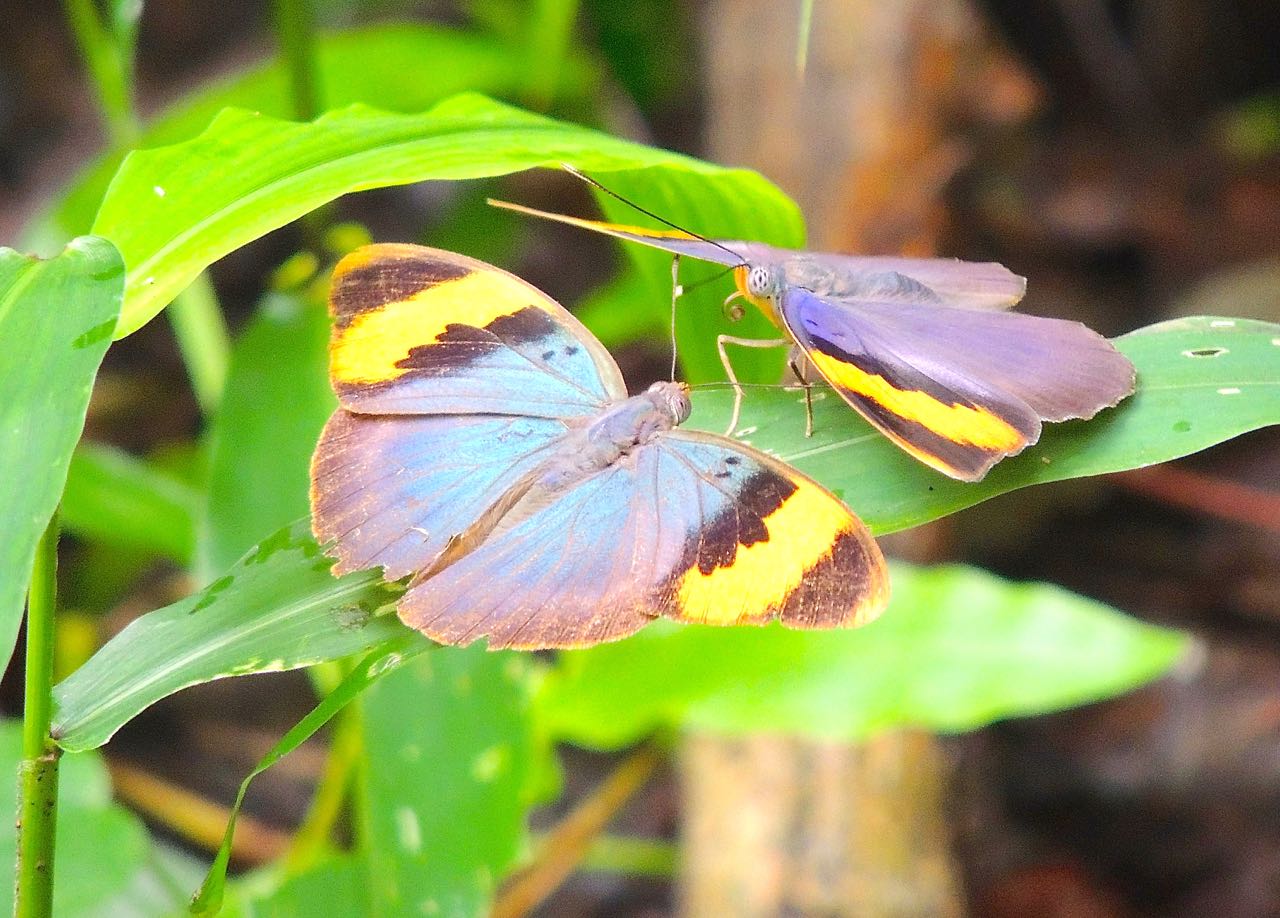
{"points": [[392, 491], [424, 331], [957, 388], [692, 527]]}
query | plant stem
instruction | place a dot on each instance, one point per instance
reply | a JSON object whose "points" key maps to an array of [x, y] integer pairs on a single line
{"points": [[110, 67], [38, 771], [295, 28], [550, 32], [203, 339]]}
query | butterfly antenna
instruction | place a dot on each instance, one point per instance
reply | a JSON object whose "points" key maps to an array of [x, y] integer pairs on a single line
{"points": [[648, 213]]}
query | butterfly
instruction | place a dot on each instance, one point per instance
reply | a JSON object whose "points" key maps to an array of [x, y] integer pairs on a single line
{"points": [[486, 449], [920, 347]]}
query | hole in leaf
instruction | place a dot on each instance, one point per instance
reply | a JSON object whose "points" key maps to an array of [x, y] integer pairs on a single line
{"points": [[1205, 352]]}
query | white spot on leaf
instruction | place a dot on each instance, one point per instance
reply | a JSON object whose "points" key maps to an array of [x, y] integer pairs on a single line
{"points": [[1222, 323], [408, 830], [489, 764], [1229, 390], [159, 191]]}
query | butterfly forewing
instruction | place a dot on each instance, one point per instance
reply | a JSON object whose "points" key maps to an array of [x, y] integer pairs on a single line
{"points": [[958, 388], [423, 331]]}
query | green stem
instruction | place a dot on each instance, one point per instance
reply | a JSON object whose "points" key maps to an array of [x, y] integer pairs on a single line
{"points": [[110, 66], [550, 33], [203, 338], [295, 28], [38, 771]]}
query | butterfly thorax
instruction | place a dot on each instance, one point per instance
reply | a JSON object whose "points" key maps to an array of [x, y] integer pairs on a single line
{"points": [[615, 433], [821, 278]]}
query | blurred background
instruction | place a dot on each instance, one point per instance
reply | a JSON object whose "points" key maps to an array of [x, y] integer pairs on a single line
{"points": [[1124, 155]]}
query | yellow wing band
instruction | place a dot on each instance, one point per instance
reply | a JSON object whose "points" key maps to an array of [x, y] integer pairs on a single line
{"points": [[957, 423], [802, 531], [369, 348]]}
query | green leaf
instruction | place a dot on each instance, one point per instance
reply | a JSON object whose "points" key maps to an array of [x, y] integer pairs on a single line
{"points": [[442, 793], [398, 67], [617, 312], [101, 847], [1201, 380], [276, 400], [956, 649], [279, 608], [56, 319], [333, 888], [175, 210], [121, 501], [208, 899]]}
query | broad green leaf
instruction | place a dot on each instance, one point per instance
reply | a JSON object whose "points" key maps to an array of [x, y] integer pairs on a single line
{"points": [[101, 847], [399, 67], [278, 608], [956, 649], [175, 210], [56, 318], [333, 888], [442, 793], [208, 899], [276, 400], [1201, 380], [125, 502]]}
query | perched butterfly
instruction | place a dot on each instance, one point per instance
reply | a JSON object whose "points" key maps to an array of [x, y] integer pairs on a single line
{"points": [[485, 447], [920, 347]]}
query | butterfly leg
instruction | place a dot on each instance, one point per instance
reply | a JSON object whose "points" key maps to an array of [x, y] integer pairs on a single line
{"points": [[676, 292], [721, 341], [800, 368]]}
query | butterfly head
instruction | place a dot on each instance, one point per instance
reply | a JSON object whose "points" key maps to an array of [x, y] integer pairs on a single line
{"points": [[761, 285], [672, 398]]}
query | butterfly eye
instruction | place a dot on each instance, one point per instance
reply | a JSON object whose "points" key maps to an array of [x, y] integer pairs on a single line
{"points": [[759, 282]]}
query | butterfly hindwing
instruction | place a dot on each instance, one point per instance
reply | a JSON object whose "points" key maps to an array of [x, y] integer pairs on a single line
{"points": [[764, 541], [424, 331], [958, 388], [691, 527]]}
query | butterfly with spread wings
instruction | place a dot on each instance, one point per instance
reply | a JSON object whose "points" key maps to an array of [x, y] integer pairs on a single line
{"points": [[923, 348], [485, 448]]}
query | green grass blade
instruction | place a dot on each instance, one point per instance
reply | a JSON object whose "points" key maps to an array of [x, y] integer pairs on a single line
{"points": [[383, 661]]}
